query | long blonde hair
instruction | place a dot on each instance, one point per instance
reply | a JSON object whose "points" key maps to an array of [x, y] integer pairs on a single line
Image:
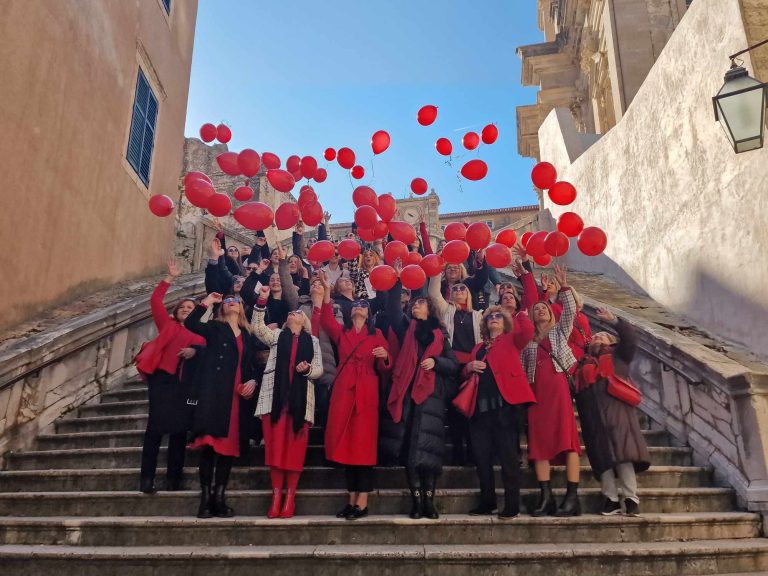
{"points": [[541, 330], [468, 303], [307, 321], [242, 321]]}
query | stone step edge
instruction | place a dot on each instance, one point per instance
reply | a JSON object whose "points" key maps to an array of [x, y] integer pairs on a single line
{"points": [[467, 553]]}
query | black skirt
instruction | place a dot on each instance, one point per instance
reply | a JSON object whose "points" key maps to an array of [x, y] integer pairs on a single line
{"points": [[169, 411]]}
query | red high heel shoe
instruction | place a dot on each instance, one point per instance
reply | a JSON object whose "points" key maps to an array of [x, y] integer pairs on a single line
{"points": [[289, 506], [277, 496]]}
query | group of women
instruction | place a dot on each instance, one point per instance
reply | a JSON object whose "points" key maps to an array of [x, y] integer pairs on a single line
{"points": [[248, 361]]}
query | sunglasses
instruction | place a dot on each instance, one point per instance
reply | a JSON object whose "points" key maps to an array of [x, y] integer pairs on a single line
{"points": [[458, 288], [361, 304], [233, 300], [494, 316], [252, 269]]}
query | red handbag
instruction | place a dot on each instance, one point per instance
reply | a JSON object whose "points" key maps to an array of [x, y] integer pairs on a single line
{"points": [[623, 390], [466, 400]]}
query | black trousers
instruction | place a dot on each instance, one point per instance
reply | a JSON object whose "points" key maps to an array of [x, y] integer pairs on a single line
{"points": [[359, 478], [496, 433], [177, 444], [214, 468]]}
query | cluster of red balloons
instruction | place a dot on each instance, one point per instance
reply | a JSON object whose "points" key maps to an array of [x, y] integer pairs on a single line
{"points": [[544, 177], [209, 133]]}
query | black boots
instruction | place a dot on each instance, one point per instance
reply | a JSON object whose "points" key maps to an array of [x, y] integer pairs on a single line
{"points": [[147, 485], [570, 505], [429, 483], [220, 508], [205, 510], [174, 484], [417, 504], [546, 506]]}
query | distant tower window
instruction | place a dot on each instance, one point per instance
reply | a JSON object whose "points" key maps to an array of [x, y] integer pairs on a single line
{"points": [[489, 223], [142, 139], [167, 6]]}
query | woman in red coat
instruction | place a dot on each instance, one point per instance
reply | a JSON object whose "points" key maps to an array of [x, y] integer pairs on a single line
{"points": [[160, 364], [351, 434], [502, 390]]}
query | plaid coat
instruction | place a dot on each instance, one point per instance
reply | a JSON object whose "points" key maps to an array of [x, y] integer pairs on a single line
{"points": [[269, 337], [558, 339]]}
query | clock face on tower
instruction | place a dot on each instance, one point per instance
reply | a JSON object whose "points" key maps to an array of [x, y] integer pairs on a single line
{"points": [[411, 215]]}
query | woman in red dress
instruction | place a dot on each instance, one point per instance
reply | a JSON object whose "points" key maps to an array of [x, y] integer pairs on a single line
{"points": [[552, 432], [227, 372], [286, 403], [352, 431]]}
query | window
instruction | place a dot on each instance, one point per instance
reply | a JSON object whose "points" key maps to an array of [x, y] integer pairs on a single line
{"points": [[489, 223], [442, 227], [167, 6], [142, 138]]}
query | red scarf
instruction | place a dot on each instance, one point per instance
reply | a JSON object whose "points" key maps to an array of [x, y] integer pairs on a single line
{"points": [[407, 365], [593, 369]]}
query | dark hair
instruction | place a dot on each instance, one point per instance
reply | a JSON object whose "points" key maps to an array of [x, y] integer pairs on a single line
{"points": [[370, 323], [431, 308]]}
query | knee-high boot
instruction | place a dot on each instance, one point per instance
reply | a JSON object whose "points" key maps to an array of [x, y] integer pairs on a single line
{"points": [[414, 485], [429, 482], [205, 510]]}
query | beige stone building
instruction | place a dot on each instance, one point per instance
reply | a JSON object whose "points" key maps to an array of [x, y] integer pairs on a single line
{"points": [[94, 100], [594, 58]]}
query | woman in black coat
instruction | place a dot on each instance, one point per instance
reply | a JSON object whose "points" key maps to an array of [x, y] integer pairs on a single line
{"points": [[615, 444], [424, 381], [226, 373]]}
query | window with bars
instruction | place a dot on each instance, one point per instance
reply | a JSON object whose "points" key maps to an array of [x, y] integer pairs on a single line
{"points": [[167, 6], [142, 139]]}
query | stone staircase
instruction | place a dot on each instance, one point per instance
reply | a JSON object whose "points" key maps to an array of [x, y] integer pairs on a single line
{"points": [[72, 506]]}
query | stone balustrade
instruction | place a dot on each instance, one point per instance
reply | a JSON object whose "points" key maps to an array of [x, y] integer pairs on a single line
{"points": [[47, 375]]}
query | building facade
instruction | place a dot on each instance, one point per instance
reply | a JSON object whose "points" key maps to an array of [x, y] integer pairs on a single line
{"points": [[94, 100]]}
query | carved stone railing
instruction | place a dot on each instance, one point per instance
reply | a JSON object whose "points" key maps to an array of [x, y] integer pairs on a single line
{"points": [[49, 374]]}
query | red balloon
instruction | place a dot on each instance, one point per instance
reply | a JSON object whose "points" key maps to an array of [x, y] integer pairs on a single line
{"points": [[412, 258], [383, 277], [525, 238], [281, 180], [286, 215], [189, 176], [199, 192], [321, 175], [208, 132], [455, 231], [556, 244], [433, 264], [307, 197], [562, 193], [308, 166], [358, 172], [161, 205], [365, 196], [345, 158], [228, 163], [329, 154], [366, 235], [419, 186], [293, 164], [570, 224], [444, 146], [490, 134], [297, 176], [244, 193], [543, 175], [535, 246], [306, 188], [321, 251], [394, 250], [380, 141], [270, 161], [456, 252], [312, 214], [380, 231], [507, 237], [474, 170], [498, 255], [478, 235], [249, 162], [402, 231], [223, 133], [544, 260], [471, 140], [349, 249], [427, 114], [592, 241], [387, 207], [219, 205], [254, 215], [413, 277], [365, 217]]}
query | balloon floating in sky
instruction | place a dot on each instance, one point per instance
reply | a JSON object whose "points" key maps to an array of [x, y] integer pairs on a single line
{"points": [[419, 186], [427, 115], [474, 170], [444, 146], [346, 158], [223, 133], [490, 134], [208, 132], [543, 175], [380, 141], [358, 172], [329, 154], [471, 140], [160, 205]]}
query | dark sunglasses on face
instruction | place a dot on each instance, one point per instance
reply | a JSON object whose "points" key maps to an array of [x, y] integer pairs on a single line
{"points": [[231, 249], [494, 316], [460, 288], [233, 300], [361, 304]]}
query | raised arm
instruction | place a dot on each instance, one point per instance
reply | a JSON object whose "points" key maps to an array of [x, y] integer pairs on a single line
{"points": [[329, 324], [522, 330], [290, 292], [436, 294], [267, 336], [425, 242], [159, 313], [397, 320], [627, 345], [478, 280], [193, 323], [569, 302]]}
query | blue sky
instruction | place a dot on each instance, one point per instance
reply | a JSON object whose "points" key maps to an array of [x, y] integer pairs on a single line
{"points": [[295, 77]]}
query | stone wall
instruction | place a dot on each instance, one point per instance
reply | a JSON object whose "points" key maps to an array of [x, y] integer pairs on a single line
{"points": [[45, 376], [685, 216]]}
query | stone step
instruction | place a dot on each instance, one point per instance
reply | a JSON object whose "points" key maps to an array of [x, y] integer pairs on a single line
{"points": [[131, 457], [123, 408], [377, 530], [71, 425], [124, 395], [619, 559], [257, 478], [328, 502], [135, 439]]}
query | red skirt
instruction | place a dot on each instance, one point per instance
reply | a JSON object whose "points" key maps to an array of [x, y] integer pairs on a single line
{"points": [[552, 430], [230, 445], [285, 449]]}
